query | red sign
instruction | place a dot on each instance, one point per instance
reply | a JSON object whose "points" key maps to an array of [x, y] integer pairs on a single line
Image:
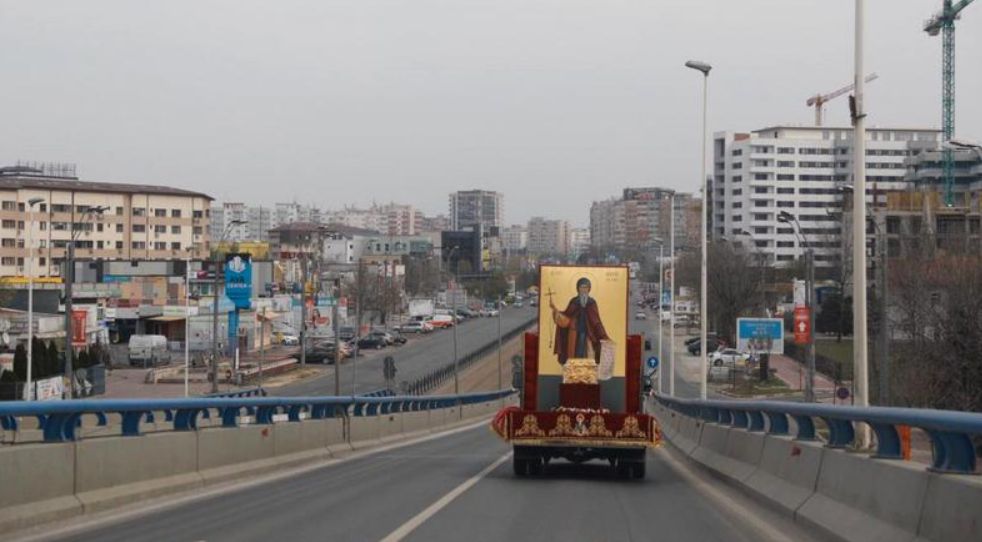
{"points": [[79, 319], [802, 325]]}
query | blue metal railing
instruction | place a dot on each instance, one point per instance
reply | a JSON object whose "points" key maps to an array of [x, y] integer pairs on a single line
{"points": [[951, 432], [248, 392], [59, 420]]}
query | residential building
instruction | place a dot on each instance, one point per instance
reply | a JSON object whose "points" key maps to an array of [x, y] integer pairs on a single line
{"points": [[515, 238], [255, 222], [139, 221], [431, 224], [579, 242], [470, 208], [548, 236], [800, 170], [641, 220]]}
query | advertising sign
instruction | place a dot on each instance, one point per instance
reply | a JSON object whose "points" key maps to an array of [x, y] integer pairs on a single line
{"points": [[583, 315], [802, 326], [79, 320], [760, 335], [46, 389], [238, 279]]}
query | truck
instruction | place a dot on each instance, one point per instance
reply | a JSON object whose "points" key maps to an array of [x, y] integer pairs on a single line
{"points": [[581, 382], [148, 350], [420, 307]]}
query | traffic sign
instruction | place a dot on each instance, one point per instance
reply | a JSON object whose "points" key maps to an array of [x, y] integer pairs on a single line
{"points": [[653, 362], [802, 325], [842, 393]]}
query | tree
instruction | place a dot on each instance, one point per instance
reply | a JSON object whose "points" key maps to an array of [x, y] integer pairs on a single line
{"points": [[20, 363], [835, 316], [734, 280]]}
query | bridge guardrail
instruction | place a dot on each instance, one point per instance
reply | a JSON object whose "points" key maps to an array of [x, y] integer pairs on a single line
{"points": [[951, 432], [59, 420]]}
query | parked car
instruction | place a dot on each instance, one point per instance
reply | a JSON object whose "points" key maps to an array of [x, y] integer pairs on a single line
{"points": [[518, 305], [322, 352], [640, 315], [397, 337], [290, 340], [722, 371], [371, 342], [416, 327], [696, 348], [148, 350], [730, 356], [442, 320], [346, 333]]}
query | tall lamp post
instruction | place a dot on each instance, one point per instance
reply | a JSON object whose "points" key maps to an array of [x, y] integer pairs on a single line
{"points": [[455, 320], [661, 290], [69, 282], [704, 290], [671, 298], [30, 292], [187, 321], [787, 218], [858, 110], [214, 311]]}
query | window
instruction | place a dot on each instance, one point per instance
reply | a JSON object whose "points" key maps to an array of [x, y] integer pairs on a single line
{"points": [[9, 206], [785, 150], [20, 224], [7, 260], [819, 204], [119, 211], [175, 229], [760, 176], [43, 225], [761, 216], [736, 179], [119, 245], [736, 218], [82, 209], [99, 227], [760, 190], [197, 214], [175, 213], [119, 228], [760, 229], [198, 230], [784, 190], [815, 178], [785, 204], [785, 258], [760, 244], [785, 231], [59, 226], [175, 246], [59, 208], [9, 224], [785, 163], [43, 261], [737, 152], [785, 244], [8, 243], [139, 228], [737, 191], [138, 245], [139, 211], [738, 165], [762, 163], [738, 205], [160, 228], [785, 177], [99, 245], [160, 213], [761, 203], [43, 207], [159, 245]]}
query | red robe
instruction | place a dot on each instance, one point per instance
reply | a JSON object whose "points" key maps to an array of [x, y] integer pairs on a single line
{"points": [[565, 344]]}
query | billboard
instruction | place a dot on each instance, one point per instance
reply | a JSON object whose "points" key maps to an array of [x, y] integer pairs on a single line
{"points": [[80, 318], [238, 279], [583, 315], [760, 335]]}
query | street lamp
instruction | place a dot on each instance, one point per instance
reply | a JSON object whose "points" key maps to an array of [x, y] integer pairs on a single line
{"points": [[453, 304], [858, 110], [187, 320], [30, 292], [88, 213], [704, 290], [671, 298], [215, 287], [787, 218]]}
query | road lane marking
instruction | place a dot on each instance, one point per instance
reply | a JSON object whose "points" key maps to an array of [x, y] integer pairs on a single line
{"points": [[408, 527]]}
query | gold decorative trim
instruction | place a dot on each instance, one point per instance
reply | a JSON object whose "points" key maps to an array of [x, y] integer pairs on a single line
{"points": [[530, 427], [631, 428], [564, 426], [598, 427]]}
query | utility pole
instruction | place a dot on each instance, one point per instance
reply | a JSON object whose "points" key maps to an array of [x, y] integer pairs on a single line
{"points": [[498, 308], [661, 290], [337, 337], [262, 346], [30, 294], [810, 300], [303, 311], [671, 303], [216, 265], [69, 283], [860, 353]]}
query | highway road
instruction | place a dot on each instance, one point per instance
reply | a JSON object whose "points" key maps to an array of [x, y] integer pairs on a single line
{"points": [[460, 486], [414, 359]]}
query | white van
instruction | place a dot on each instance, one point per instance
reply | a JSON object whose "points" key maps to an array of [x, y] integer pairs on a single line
{"points": [[148, 350]]}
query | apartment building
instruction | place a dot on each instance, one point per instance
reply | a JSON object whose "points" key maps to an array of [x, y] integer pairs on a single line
{"points": [[255, 222], [134, 222], [641, 220], [579, 242], [515, 238], [473, 208], [801, 170], [548, 236]]}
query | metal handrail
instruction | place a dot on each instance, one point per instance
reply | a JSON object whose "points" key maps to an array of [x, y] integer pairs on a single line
{"points": [[59, 420], [951, 432]]}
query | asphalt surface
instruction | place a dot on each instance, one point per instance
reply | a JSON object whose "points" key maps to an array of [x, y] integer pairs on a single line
{"points": [[416, 358], [371, 497]]}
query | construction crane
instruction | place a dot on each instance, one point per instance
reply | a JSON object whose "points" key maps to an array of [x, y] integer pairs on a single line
{"points": [[943, 23], [819, 100]]}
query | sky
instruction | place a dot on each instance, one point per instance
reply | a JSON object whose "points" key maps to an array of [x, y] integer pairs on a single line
{"points": [[555, 103]]}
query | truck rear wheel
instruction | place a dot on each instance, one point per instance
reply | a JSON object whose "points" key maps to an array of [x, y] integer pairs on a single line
{"points": [[527, 466]]}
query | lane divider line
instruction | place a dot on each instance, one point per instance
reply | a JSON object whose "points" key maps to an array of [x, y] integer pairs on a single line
{"points": [[408, 527]]}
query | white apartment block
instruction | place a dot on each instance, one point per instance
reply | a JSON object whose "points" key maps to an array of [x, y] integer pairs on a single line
{"points": [[476, 208], [136, 222], [800, 170], [515, 238], [641, 220], [579, 242], [255, 226], [548, 236]]}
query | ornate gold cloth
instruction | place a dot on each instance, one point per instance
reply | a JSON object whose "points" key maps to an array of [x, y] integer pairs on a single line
{"points": [[580, 371]]}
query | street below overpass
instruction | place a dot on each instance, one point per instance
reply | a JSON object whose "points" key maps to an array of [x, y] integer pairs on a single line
{"points": [[454, 487], [413, 360]]}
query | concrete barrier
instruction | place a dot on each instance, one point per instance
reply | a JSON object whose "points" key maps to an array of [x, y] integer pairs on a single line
{"points": [[733, 453], [37, 484], [689, 432], [363, 431], [952, 508], [787, 473], [863, 499], [112, 471], [414, 422], [389, 426], [226, 453]]}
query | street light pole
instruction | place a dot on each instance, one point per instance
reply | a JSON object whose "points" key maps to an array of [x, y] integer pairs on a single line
{"points": [[671, 300], [788, 218], [456, 321], [30, 293], [661, 290], [703, 278], [69, 283], [187, 322], [860, 353], [214, 320]]}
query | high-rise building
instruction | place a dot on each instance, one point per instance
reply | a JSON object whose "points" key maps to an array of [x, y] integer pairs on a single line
{"points": [[801, 170], [255, 226], [472, 208], [138, 222], [515, 238], [579, 242], [548, 236], [640, 220]]}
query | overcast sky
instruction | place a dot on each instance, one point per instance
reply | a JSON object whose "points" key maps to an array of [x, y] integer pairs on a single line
{"points": [[554, 103]]}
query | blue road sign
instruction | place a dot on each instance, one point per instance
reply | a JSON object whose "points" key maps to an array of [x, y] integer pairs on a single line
{"points": [[653, 362]]}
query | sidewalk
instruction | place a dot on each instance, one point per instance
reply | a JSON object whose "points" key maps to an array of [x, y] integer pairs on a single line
{"points": [[793, 374]]}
